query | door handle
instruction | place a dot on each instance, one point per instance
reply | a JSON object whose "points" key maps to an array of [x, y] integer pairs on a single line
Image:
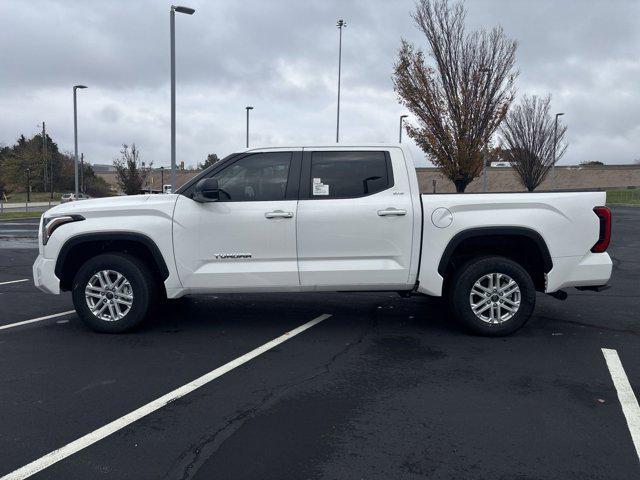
{"points": [[278, 214], [392, 212]]}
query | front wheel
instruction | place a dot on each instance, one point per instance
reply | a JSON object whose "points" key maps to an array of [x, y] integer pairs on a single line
{"points": [[492, 296], [112, 293]]}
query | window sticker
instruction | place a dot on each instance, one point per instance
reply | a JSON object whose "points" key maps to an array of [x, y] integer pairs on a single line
{"points": [[317, 180], [320, 189]]}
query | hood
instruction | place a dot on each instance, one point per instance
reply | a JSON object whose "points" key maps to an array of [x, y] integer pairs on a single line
{"points": [[109, 204]]}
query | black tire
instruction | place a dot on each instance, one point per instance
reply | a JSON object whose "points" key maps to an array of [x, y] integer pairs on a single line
{"points": [[142, 283], [460, 296]]}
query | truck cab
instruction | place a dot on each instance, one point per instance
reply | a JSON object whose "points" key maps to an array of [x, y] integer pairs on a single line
{"points": [[301, 220]]}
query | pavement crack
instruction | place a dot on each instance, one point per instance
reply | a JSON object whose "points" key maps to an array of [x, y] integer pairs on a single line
{"points": [[598, 327], [209, 445]]}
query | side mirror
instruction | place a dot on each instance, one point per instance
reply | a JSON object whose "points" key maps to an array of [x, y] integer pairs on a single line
{"points": [[206, 191]]}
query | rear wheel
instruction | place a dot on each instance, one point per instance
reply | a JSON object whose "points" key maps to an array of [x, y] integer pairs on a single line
{"points": [[492, 296], [113, 293]]}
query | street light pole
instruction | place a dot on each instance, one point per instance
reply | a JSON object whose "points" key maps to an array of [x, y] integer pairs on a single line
{"points": [[51, 175], [248, 108], [402, 117], [172, 30], [75, 134], [162, 179], [340, 24], [82, 172], [44, 158], [555, 147]]}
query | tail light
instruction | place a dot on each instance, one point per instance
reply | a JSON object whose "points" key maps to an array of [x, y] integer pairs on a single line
{"points": [[604, 214]]}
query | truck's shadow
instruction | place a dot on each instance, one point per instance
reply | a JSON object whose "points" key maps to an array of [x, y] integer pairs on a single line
{"points": [[292, 309]]}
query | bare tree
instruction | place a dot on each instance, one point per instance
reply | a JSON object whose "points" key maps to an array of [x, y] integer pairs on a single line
{"points": [[461, 101], [529, 140], [130, 172]]}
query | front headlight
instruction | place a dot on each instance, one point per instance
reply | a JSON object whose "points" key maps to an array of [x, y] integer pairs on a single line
{"points": [[49, 224]]}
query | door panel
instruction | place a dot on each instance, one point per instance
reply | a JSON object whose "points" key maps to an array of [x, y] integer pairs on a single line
{"points": [[233, 245], [355, 243], [247, 240]]}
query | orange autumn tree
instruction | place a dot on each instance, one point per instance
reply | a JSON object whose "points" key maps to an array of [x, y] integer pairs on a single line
{"points": [[461, 97]]}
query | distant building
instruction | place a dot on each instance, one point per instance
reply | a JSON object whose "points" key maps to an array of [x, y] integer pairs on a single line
{"points": [[568, 177]]}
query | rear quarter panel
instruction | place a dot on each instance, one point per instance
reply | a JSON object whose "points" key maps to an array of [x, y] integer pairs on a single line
{"points": [[565, 221]]}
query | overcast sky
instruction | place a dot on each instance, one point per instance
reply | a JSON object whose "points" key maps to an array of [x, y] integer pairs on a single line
{"points": [[281, 57]]}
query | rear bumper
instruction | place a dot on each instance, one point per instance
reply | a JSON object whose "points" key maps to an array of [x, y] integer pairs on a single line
{"points": [[44, 275], [591, 270]]}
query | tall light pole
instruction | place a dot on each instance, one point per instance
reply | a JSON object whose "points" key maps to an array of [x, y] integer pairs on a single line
{"points": [[247, 109], [402, 117], [340, 24], [555, 148], [172, 29], [75, 134], [44, 158], [82, 172], [162, 179]]}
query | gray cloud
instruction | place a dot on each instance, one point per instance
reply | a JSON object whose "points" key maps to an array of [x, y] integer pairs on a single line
{"points": [[281, 57]]}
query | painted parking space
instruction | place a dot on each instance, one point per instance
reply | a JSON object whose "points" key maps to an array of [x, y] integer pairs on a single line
{"points": [[11, 282], [118, 424], [375, 391], [77, 379], [626, 395]]}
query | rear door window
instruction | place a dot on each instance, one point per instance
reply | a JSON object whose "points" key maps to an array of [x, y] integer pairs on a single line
{"points": [[349, 174]]}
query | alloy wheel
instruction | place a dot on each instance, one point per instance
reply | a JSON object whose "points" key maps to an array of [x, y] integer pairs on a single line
{"points": [[109, 295], [495, 298]]}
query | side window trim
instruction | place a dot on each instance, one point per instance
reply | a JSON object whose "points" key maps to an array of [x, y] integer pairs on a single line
{"points": [[305, 178]]}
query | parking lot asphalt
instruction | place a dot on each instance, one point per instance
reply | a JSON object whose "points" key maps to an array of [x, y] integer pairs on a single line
{"points": [[384, 388], [18, 233]]}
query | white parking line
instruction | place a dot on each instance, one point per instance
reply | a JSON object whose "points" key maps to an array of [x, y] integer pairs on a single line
{"points": [[33, 320], [97, 435], [14, 281], [628, 400]]}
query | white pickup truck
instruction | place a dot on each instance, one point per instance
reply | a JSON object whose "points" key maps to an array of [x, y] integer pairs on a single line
{"points": [[308, 219]]}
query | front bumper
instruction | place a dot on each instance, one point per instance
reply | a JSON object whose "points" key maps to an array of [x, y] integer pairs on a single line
{"points": [[44, 275]]}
